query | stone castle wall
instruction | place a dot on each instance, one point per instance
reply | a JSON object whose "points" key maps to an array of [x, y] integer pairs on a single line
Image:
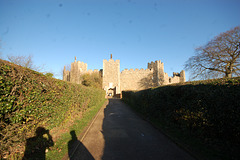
{"points": [[78, 68], [90, 71], [136, 79], [114, 81], [162, 78], [182, 76], [158, 72], [66, 74], [177, 77], [111, 75]]}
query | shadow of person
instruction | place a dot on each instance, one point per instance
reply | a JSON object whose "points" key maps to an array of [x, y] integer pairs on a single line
{"points": [[76, 150], [36, 146]]}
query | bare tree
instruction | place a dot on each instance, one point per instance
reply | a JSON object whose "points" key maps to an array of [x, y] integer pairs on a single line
{"points": [[218, 58], [25, 61]]}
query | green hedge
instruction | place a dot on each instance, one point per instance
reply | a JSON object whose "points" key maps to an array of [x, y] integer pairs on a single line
{"points": [[29, 99], [209, 110]]}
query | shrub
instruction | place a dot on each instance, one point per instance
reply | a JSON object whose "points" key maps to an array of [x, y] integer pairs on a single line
{"points": [[49, 74], [92, 80], [29, 99], [209, 110]]}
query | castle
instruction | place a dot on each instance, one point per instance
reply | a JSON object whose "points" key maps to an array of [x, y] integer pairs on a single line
{"points": [[114, 81]]}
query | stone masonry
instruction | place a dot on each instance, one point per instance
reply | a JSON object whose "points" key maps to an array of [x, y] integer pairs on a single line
{"points": [[111, 76], [77, 70], [114, 81]]}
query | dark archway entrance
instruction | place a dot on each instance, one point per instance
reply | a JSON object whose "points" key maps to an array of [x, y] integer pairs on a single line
{"points": [[111, 92]]}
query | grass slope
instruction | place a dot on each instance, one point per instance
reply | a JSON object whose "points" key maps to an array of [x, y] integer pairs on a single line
{"points": [[29, 100]]}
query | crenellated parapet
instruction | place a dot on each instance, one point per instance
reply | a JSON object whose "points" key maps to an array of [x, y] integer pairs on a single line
{"points": [[158, 72], [136, 71], [90, 71], [114, 81], [156, 65], [111, 61], [136, 79], [177, 77], [78, 68]]}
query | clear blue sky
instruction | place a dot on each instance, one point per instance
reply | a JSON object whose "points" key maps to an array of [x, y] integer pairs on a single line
{"points": [[134, 31]]}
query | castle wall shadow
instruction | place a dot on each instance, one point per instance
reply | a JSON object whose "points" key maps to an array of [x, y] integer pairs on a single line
{"points": [[129, 137], [117, 145]]}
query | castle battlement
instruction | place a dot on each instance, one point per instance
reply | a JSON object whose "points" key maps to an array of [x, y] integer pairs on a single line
{"points": [[90, 71], [157, 65], [114, 81], [155, 62], [81, 63], [111, 60], [135, 70]]}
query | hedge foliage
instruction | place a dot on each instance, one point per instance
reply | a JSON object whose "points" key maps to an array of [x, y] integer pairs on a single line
{"points": [[92, 80], [29, 99], [209, 110]]}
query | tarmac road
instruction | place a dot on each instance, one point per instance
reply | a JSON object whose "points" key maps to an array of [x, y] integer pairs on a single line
{"points": [[118, 133]]}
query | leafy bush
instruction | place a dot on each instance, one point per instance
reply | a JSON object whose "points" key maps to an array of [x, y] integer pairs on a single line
{"points": [[209, 110], [92, 80], [49, 74], [29, 99]]}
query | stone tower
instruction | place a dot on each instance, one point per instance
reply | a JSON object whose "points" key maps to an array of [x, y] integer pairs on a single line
{"points": [[66, 74], [159, 77], [182, 76], [114, 81], [77, 70], [111, 77]]}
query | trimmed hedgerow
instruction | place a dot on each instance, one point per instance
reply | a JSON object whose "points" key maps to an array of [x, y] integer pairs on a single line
{"points": [[209, 110], [29, 99]]}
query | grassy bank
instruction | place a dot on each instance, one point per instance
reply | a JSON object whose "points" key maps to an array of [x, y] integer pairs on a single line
{"points": [[202, 116], [61, 146], [29, 100]]}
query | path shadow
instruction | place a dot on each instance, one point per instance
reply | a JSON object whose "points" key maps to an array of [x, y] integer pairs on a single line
{"points": [[118, 145], [37, 145], [129, 137], [77, 150]]}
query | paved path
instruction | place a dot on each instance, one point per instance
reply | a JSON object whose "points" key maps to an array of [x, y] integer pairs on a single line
{"points": [[119, 134]]}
